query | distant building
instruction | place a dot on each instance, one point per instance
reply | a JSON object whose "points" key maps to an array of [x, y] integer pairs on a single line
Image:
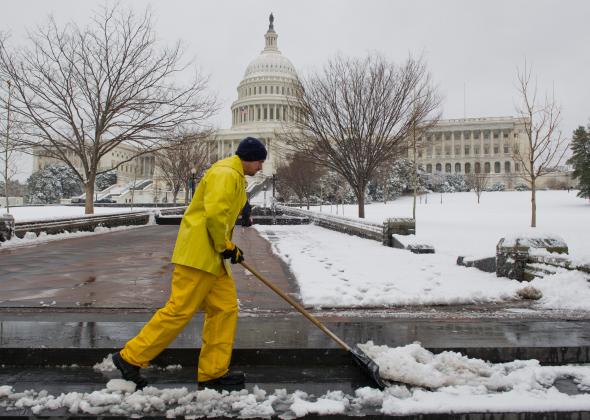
{"points": [[481, 145]]}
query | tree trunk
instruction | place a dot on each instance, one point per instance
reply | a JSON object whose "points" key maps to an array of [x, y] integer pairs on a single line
{"points": [[89, 202], [533, 202], [360, 195]]}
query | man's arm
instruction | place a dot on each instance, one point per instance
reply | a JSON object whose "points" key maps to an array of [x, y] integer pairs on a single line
{"points": [[220, 191]]}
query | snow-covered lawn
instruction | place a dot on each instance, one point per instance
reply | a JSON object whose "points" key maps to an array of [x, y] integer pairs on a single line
{"points": [[339, 270], [33, 213], [460, 226]]}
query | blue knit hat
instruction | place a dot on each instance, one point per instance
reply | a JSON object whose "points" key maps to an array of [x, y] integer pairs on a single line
{"points": [[251, 149]]}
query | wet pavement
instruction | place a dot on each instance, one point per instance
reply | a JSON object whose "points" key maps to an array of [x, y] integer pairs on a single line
{"points": [[77, 300]]}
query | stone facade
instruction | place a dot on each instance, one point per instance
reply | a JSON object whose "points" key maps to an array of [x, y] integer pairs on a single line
{"points": [[481, 145]]}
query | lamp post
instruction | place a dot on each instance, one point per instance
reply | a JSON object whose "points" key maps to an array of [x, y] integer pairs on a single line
{"points": [[193, 181]]}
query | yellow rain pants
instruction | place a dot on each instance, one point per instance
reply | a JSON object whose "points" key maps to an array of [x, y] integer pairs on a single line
{"points": [[192, 289]]}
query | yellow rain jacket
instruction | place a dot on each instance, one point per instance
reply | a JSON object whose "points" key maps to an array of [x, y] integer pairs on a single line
{"points": [[208, 223]]}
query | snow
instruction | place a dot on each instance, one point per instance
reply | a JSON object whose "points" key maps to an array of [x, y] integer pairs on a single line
{"points": [[459, 226], [32, 238], [337, 270], [437, 383], [36, 213]]}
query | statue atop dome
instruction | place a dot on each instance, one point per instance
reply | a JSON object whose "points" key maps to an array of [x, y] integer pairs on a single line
{"points": [[271, 19]]}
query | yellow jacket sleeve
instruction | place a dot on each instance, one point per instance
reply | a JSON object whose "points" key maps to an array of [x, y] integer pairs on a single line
{"points": [[220, 192]]}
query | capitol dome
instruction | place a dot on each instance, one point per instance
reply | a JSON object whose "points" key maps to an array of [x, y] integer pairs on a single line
{"points": [[269, 82], [270, 63]]}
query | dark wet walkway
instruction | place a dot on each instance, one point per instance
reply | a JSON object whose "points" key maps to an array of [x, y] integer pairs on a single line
{"points": [[124, 269]]}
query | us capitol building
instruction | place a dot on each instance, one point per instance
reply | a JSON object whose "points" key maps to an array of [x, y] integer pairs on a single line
{"points": [[264, 103]]}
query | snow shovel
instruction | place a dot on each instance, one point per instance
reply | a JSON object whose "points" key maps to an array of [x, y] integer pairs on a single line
{"points": [[368, 366]]}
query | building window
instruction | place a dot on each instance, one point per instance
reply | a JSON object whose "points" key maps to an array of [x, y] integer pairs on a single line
{"points": [[477, 167], [496, 149], [272, 89], [486, 150], [497, 167], [457, 150], [467, 150], [476, 150], [429, 168], [487, 168], [283, 90], [505, 135], [447, 151], [486, 135], [496, 134], [457, 168], [420, 153], [448, 168], [476, 135], [467, 135], [438, 151], [447, 136], [438, 167], [266, 89], [506, 149], [516, 167], [468, 168], [507, 167]]}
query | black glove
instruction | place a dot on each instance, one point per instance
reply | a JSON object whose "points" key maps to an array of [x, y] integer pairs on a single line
{"points": [[247, 215], [235, 255]]}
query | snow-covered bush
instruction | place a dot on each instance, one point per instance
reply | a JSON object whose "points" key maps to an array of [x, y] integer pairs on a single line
{"points": [[521, 187], [497, 186], [48, 185], [447, 183], [106, 179], [393, 180]]}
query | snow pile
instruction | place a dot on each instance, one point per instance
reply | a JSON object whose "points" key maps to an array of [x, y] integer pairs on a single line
{"points": [[448, 382], [565, 290], [414, 365], [106, 365], [31, 238]]}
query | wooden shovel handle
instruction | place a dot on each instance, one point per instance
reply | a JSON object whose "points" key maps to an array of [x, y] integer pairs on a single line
{"points": [[297, 306]]}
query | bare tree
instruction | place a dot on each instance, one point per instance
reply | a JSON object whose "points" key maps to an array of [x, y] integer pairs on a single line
{"points": [[356, 111], [300, 176], [183, 153], [81, 92], [478, 182], [544, 147]]}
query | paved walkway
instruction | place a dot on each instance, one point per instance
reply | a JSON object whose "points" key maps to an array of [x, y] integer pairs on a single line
{"points": [[125, 269]]}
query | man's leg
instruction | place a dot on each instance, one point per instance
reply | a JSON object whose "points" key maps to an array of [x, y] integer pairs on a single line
{"points": [[221, 317], [190, 287]]}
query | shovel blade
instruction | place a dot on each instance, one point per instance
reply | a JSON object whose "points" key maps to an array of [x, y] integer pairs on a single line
{"points": [[369, 367]]}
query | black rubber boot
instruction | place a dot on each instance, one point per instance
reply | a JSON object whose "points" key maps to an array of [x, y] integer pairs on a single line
{"points": [[230, 379], [129, 372]]}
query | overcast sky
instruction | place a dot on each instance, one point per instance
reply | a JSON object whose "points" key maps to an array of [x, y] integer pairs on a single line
{"points": [[472, 48]]}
